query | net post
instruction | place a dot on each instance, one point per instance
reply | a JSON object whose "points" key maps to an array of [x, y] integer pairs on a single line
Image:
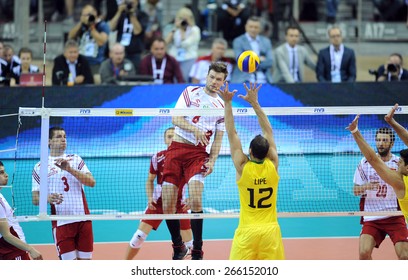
{"points": [[45, 125]]}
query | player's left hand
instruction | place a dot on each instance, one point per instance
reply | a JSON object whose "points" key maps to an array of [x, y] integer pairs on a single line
{"points": [[209, 167], [354, 124], [186, 204]]}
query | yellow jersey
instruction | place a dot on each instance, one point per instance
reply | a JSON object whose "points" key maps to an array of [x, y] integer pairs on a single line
{"points": [[404, 201], [258, 188]]}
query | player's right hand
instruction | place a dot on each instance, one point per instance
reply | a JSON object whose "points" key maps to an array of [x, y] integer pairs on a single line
{"points": [[388, 117]]}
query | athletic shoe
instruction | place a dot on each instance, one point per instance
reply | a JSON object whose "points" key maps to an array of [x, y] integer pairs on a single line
{"points": [[197, 254], [180, 252]]}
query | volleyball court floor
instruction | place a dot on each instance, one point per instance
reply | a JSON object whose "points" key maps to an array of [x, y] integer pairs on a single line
{"points": [[325, 238]]}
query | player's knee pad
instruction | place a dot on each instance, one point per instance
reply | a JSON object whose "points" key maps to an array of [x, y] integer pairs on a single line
{"points": [[137, 240]]}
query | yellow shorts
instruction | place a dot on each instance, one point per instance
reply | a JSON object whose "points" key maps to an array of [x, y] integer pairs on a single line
{"points": [[258, 243]]}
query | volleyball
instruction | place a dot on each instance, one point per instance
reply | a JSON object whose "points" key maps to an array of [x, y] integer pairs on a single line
{"points": [[248, 61]]}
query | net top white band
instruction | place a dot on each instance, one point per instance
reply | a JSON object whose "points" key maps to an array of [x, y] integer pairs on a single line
{"points": [[139, 112]]}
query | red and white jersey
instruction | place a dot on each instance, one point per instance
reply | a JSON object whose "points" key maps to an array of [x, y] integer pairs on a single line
{"points": [[197, 98], [383, 199], [199, 70], [157, 167], [62, 182], [6, 212]]}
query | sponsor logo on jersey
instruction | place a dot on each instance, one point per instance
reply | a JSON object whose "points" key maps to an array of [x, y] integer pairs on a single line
{"points": [[124, 112]]}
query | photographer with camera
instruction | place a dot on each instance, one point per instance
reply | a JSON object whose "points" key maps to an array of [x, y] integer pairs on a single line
{"points": [[93, 37], [392, 70], [184, 40], [130, 22]]}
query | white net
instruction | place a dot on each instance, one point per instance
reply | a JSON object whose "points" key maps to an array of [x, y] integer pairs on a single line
{"points": [[318, 158]]}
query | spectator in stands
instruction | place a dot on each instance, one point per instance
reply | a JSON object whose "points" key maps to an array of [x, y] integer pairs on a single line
{"points": [[154, 11], [260, 44], [1, 50], [26, 57], [270, 8], [232, 16], [93, 37], [11, 61], [130, 22], [336, 63], [393, 69], [199, 71], [388, 10], [331, 10], [116, 66], [64, 10], [290, 58], [71, 68], [164, 68], [184, 40], [3, 66]]}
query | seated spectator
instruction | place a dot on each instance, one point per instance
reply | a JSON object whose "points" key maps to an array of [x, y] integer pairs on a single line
{"points": [[26, 57], [71, 68], [393, 69], [92, 34], [184, 40], [231, 18], [199, 71], [261, 45], [154, 11], [130, 22], [388, 10], [11, 61], [116, 66], [163, 67], [336, 63], [290, 58], [1, 50]]}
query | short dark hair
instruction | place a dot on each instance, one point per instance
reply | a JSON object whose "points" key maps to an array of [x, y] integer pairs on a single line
{"points": [[290, 27], [399, 56], [1, 163], [386, 130], [52, 129], [259, 147], [219, 67], [404, 156], [25, 50]]}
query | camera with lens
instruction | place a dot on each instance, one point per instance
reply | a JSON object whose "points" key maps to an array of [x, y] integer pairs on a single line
{"points": [[392, 67], [91, 19], [184, 23]]}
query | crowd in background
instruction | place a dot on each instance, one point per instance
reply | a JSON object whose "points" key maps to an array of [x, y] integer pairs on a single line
{"points": [[144, 48]]}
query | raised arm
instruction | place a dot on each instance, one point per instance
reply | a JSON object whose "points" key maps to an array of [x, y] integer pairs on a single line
{"points": [[238, 157], [399, 129], [252, 98], [391, 177]]}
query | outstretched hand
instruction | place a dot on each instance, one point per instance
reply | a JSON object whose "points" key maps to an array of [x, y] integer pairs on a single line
{"points": [[225, 94], [353, 126], [388, 117], [251, 93]]}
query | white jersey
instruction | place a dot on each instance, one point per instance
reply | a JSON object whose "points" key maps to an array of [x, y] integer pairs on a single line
{"points": [[383, 199], [196, 97], [63, 182], [6, 212]]}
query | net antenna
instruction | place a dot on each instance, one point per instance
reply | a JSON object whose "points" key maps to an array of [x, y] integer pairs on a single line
{"points": [[45, 124], [44, 55]]}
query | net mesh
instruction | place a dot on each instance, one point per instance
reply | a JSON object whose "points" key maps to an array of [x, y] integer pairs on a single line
{"points": [[317, 155]]}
